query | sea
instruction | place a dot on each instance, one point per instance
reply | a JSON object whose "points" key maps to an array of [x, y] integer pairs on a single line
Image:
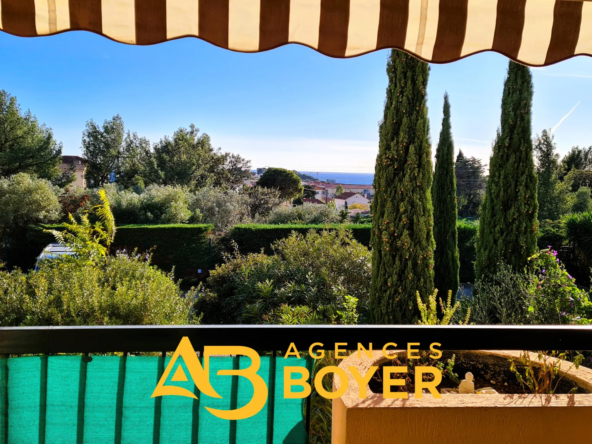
{"points": [[345, 178]]}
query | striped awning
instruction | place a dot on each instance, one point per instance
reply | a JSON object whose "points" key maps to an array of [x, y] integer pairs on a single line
{"points": [[534, 32]]}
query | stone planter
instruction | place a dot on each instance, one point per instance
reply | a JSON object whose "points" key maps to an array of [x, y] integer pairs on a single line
{"points": [[460, 419]]}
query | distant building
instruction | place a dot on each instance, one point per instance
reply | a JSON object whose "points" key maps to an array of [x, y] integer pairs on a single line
{"points": [[77, 165], [346, 199], [327, 190]]}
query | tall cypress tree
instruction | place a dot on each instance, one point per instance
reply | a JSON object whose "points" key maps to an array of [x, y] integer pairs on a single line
{"points": [[446, 262], [402, 219], [508, 226]]}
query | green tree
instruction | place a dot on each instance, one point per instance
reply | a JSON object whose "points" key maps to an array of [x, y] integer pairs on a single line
{"points": [[583, 201], [576, 159], [508, 226], [188, 159], [470, 184], [339, 190], [102, 147], [131, 170], [553, 195], [26, 200], [26, 146], [402, 219], [287, 182], [446, 260]]}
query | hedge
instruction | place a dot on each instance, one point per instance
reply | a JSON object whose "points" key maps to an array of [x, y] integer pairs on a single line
{"points": [[467, 236], [185, 247], [252, 238]]}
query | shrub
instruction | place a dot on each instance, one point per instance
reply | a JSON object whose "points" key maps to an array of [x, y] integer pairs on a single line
{"points": [[318, 278], [121, 290], [25, 200], [583, 201], [305, 214], [223, 209], [467, 236], [578, 231], [554, 296], [501, 298], [253, 238]]}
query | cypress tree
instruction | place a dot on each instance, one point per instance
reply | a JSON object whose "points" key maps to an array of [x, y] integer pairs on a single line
{"points": [[508, 226], [446, 261], [402, 219]]}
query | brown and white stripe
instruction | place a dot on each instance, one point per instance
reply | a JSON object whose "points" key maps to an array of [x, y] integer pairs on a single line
{"points": [[534, 32]]}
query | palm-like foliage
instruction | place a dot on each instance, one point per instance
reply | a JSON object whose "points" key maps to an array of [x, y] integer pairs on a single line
{"points": [[578, 231], [87, 240]]}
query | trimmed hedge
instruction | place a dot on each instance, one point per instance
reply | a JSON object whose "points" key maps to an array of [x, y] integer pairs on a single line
{"points": [[252, 238], [467, 236], [185, 247]]}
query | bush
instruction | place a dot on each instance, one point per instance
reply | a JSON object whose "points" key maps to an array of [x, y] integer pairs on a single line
{"points": [[223, 209], [501, 298], [25, 200], [253, 238], [578, 231], [554, 296], [583, 201], [305, 214], [543, 293], [120, 290], [319, 278], [467, 236]]}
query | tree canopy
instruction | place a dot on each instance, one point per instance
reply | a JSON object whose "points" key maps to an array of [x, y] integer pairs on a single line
{"points": [[287, 182], [26, 146]]}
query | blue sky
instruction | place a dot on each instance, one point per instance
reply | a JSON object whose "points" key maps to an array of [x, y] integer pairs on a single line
{"points": [[290, 107]]}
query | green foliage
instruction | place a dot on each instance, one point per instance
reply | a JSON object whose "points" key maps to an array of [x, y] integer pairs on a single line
{"points": [[402, 219], [429, 315], [189, 159], [551, 233], [576, 179], [508, 225], [319, 278], [25, 200], [26, 146], [262, 201], [253, 238], [305, 214], [121, 291], [467, 236], [555, 297], [446, 257], [500, 298], [470, 185], [578, 231], [583, 201], [542, 293], [102, 147], [287, 182], [89, 241], [553, 196], [577, 159], [542, 375], [339, 190], [221, 208]]}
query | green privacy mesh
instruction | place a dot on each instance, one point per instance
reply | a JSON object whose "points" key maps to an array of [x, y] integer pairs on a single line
{"points": [[106, 400]]}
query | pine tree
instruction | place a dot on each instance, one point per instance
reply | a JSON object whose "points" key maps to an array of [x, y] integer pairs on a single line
{"points": [[470, 185], [508, 226], [446, 261], [553, 195], [402, 220]]}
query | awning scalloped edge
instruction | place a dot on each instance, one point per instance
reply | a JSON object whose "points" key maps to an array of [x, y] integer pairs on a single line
{"points": [[533, 32]]}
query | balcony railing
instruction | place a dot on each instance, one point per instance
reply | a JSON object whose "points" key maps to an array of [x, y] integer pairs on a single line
{"points": [[90, 397]]}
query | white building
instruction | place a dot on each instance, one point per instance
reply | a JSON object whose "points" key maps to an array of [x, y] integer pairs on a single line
{"points": [[346, 199]]}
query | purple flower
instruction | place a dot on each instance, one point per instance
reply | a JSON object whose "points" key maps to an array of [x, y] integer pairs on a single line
{"points": [[569, 276], [543, 271]]}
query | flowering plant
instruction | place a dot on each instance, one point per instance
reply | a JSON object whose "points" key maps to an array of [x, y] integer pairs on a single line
{"points": [[555, 297]]}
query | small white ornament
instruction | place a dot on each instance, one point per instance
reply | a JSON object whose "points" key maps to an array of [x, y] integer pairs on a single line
{"points": [[467, 385]]}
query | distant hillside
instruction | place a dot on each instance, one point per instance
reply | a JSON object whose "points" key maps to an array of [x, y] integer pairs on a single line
{"points": [[305, 176]]}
